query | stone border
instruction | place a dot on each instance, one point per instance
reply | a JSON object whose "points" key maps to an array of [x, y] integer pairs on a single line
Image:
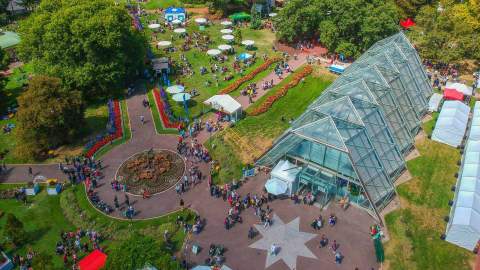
{"points": [[168, 189]]}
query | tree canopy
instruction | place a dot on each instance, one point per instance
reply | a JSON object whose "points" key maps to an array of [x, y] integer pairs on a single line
{"points": [[48, 116], [90, 45], [449, 34], [14, 230], [343, 26]]}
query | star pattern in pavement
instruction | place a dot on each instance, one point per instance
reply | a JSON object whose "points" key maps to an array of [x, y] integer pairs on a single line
{"points": [[289, 240]]}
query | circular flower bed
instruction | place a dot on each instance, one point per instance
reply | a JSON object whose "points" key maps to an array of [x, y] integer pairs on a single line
{"points": [[152, 171]]}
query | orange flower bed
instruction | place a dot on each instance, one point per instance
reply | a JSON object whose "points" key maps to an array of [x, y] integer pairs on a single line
{"points": [[297, 77], [232, 87]]}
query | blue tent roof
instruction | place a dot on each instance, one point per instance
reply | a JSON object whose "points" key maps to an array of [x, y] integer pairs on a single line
{"points": [[175, 10]]}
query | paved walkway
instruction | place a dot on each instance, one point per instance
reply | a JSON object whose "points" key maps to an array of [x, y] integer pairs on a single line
{"points": [[351, 231]]}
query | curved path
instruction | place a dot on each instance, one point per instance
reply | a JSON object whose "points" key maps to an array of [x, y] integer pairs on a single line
{"points": [[351, 232]]}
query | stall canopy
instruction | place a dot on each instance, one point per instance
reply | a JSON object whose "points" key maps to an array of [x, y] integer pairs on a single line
{"points": [[286, 173], [452, 94], [93, 261], [460, 87], [434, 102], [463, 228], [451, 123], [223, 103], [336, 69]]}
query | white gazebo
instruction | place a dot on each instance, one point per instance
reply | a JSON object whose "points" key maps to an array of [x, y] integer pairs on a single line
{"points": [[285, 173], [164, 43], [226, 31], [213, 52], [434, 102], [228, 38], [154, 26], [201, 20], [226, 104], [248, 43], [226, 23], [224, 47], [273, 14], [175, 89], [180, 30]]}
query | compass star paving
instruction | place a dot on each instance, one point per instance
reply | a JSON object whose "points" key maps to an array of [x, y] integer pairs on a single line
{"points": [[289, 240]]}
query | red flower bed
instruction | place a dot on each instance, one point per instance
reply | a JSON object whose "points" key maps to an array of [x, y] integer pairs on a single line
{"points": [[232, 87], [107, 139], [164, 117], [297, 77]]}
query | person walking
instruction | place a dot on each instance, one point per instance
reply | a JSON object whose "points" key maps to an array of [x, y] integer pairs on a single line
{"points": [[142, 119], [115, 202], [127, 200], [30, 171]]}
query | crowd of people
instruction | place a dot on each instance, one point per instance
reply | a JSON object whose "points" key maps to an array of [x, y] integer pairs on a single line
{"points": [[73, 243]]}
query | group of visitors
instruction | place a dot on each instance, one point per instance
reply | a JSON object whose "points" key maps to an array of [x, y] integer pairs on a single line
{"points": [[73, 243], [80, 168], [193, 151], [317, 224]]}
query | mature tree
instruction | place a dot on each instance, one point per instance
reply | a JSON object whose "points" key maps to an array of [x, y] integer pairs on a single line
{"points": [[48, 116], [4, 12], [410, 8], [137, 251], [451, 34], [89, 44], [346, 26], [14, 230]]}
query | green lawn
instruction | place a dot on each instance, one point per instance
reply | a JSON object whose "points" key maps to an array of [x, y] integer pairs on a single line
{"points": [[263, 38], [44, 217], [415, 229], [260, 131], [154, 4]]}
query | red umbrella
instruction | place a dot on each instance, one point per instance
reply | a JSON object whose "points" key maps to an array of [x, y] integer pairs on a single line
{"points": [[407, 23]]}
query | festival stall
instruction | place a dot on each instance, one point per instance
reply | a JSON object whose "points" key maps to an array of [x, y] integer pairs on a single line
{"points": [[173, 13], [460, 87], [452, 94], [336, 69], [93, 261], [452, 123], [434, 102], [283, 178], [226, 105]]}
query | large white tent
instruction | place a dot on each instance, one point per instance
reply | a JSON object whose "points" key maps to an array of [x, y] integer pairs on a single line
{"points": [[460, 87], [286, 172], [225, 104], [434, 102], [463, 228], [451, 123]]}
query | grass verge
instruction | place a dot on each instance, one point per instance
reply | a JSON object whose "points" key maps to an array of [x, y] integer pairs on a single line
{"points": [[415, 229], [157, 121]]}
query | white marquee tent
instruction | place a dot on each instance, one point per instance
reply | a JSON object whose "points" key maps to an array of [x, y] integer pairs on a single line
{"points": [[286, 172], [451, 123], [463, 228], [225, 104], [434, 102]]}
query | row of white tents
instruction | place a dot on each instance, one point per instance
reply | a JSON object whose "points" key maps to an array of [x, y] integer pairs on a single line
{"points": [[463, 228]]}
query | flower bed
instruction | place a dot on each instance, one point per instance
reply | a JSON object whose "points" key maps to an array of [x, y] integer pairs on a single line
{"points": [[114, 129], [164, 109], [232, 87], [297, 77]]}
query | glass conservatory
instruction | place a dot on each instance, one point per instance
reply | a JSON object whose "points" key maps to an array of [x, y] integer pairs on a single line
{"points": [[352, 139]]}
